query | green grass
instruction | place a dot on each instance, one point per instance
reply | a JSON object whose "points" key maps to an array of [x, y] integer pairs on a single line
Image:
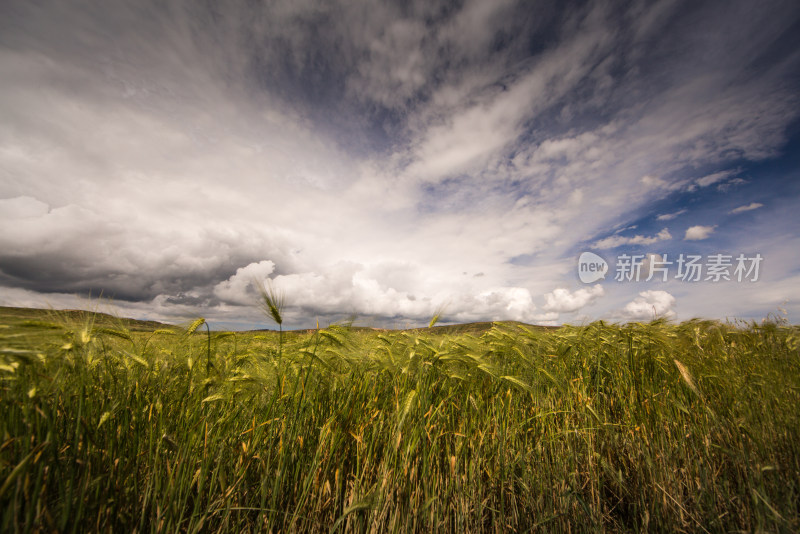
{"points": [[657, 427]]}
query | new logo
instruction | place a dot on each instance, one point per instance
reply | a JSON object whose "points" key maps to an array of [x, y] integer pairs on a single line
{"points": [[591, 267]]}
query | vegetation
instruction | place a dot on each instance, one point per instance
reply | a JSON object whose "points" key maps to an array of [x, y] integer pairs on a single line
{"points": [[639, 427], [272, 303]]}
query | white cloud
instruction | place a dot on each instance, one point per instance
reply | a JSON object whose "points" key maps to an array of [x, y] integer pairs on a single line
{"points": [[238, 289], [397, 290], [711, 179], [670, 216], [614, 241], [698, 233], [489, 119], [652, 182], [563, 301], [650, 305], [22, 207], [747, 207]]}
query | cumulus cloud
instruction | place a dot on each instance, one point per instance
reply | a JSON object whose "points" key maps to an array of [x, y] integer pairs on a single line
{"points": [[649, 305], [239, 289], [614, 241], [699, 232], [747, 207], [380, 291], [563, 301]]}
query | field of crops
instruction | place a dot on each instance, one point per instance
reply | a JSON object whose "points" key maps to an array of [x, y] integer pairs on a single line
{"points": [[661, 427]]}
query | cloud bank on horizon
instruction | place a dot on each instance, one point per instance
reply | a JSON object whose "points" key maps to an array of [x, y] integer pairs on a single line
{"points": [[385, 160]]}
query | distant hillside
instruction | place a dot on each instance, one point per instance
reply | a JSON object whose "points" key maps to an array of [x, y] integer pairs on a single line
{"points": [[464, 328], [18, 316], [476, 328]]}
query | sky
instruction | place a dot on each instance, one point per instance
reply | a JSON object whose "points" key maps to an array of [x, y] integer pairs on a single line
{"points": [[386, 161]]}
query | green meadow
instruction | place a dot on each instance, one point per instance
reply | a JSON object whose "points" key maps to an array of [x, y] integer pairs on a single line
{"points": [[112, 425]]}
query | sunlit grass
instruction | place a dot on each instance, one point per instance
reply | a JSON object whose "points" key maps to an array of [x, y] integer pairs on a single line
{"points": [[661, 427]]}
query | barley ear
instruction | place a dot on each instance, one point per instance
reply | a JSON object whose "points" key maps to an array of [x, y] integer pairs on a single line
{"points": [[272, 300], [687, 377]]}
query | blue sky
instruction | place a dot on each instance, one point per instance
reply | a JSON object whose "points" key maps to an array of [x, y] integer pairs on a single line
{"points": [[389, 160]]}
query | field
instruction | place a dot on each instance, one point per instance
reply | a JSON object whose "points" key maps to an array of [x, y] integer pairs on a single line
{"points": [[113, 425]]}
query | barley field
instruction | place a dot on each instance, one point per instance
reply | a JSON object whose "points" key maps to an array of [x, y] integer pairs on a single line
{"points": [[110, 425]]}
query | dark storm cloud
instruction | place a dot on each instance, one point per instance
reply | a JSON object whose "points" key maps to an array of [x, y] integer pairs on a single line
{"points": [[124, 266]]}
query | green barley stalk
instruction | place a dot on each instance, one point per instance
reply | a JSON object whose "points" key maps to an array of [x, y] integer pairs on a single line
{"points": [[272, 302], [514, 428]]}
